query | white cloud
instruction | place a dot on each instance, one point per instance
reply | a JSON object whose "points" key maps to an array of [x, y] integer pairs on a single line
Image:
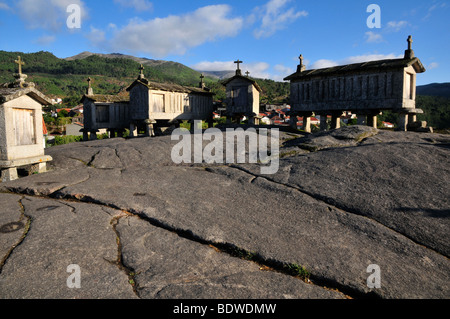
{"points": [[176, 34], [138, 5], [45, 40], [433, 65], [47, 14], [4, 6], [274, 17], [97, 37], [396, 26], [323, 63], [431, 9], [214, 66], [373, 37], [353, 59], [257, 69]]}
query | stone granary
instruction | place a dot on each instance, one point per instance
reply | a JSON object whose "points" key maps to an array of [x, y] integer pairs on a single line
{"points": [[149, 104], [110, 112], [242, 96], [21, 127], [365, 89]]}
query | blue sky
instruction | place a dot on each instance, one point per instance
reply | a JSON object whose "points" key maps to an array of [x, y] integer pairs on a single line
{"points": [[268, 35]]}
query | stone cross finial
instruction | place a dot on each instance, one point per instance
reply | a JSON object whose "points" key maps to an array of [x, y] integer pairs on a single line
{"points": [[409, 54], [301, 67], [89, 90], [20, 63], [202, 84], [410, 41], [238, 71], [247, 73], [141, 72], [238, 62]]}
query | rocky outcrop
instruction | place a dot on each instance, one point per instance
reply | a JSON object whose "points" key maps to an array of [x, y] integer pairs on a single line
{"points": [[341, 201]]}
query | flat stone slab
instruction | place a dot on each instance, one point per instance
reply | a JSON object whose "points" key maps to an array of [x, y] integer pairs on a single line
{"points": [[63, 234], [168, 266], [382, 199]]}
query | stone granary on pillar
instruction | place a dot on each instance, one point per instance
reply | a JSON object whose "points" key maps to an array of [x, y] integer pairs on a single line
{"points": [[163, 103], [148, 105], [21, 127], [110, 112], [242, 96], [365, 89]]}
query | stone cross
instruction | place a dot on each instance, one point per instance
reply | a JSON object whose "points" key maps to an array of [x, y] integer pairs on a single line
{"points": [[20, 63], [202, 84], [410, 41], [141, 72], [89, 90], [301, 67], [238, 62], [247, 73]]}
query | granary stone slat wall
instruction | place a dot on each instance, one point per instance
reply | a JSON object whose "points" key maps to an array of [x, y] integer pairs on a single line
{"points": [[351, 92], [365, 88]]}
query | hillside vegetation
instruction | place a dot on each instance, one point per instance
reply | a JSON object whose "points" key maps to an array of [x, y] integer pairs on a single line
{"points": [[111, 74]]}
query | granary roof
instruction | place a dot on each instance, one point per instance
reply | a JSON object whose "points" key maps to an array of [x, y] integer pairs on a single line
{"points": [[237, 76], [10, 93], [169, 87], [360, 67], [103, 98]]}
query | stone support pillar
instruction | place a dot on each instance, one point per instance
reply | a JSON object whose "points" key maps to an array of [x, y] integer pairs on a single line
{"points": [[133, 130], [42, 167], [372, 120], [93, 135], [149, 128], [412, 118], [293, 120], [336, 120], [323, 122], [9, 174], [403, 122], [307, 124]]}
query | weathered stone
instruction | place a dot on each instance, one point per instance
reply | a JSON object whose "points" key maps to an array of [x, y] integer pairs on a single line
{"points": [[63, 234], [173, 267], [383, 201]]}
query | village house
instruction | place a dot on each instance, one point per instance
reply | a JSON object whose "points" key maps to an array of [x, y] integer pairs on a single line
{"points": [[22, 127], [365, 89]]}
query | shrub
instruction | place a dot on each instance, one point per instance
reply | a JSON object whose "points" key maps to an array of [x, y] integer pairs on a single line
{"points": [[61, 140]]}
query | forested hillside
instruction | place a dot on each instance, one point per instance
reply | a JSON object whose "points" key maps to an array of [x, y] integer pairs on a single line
{"points": [[66, 78]]}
